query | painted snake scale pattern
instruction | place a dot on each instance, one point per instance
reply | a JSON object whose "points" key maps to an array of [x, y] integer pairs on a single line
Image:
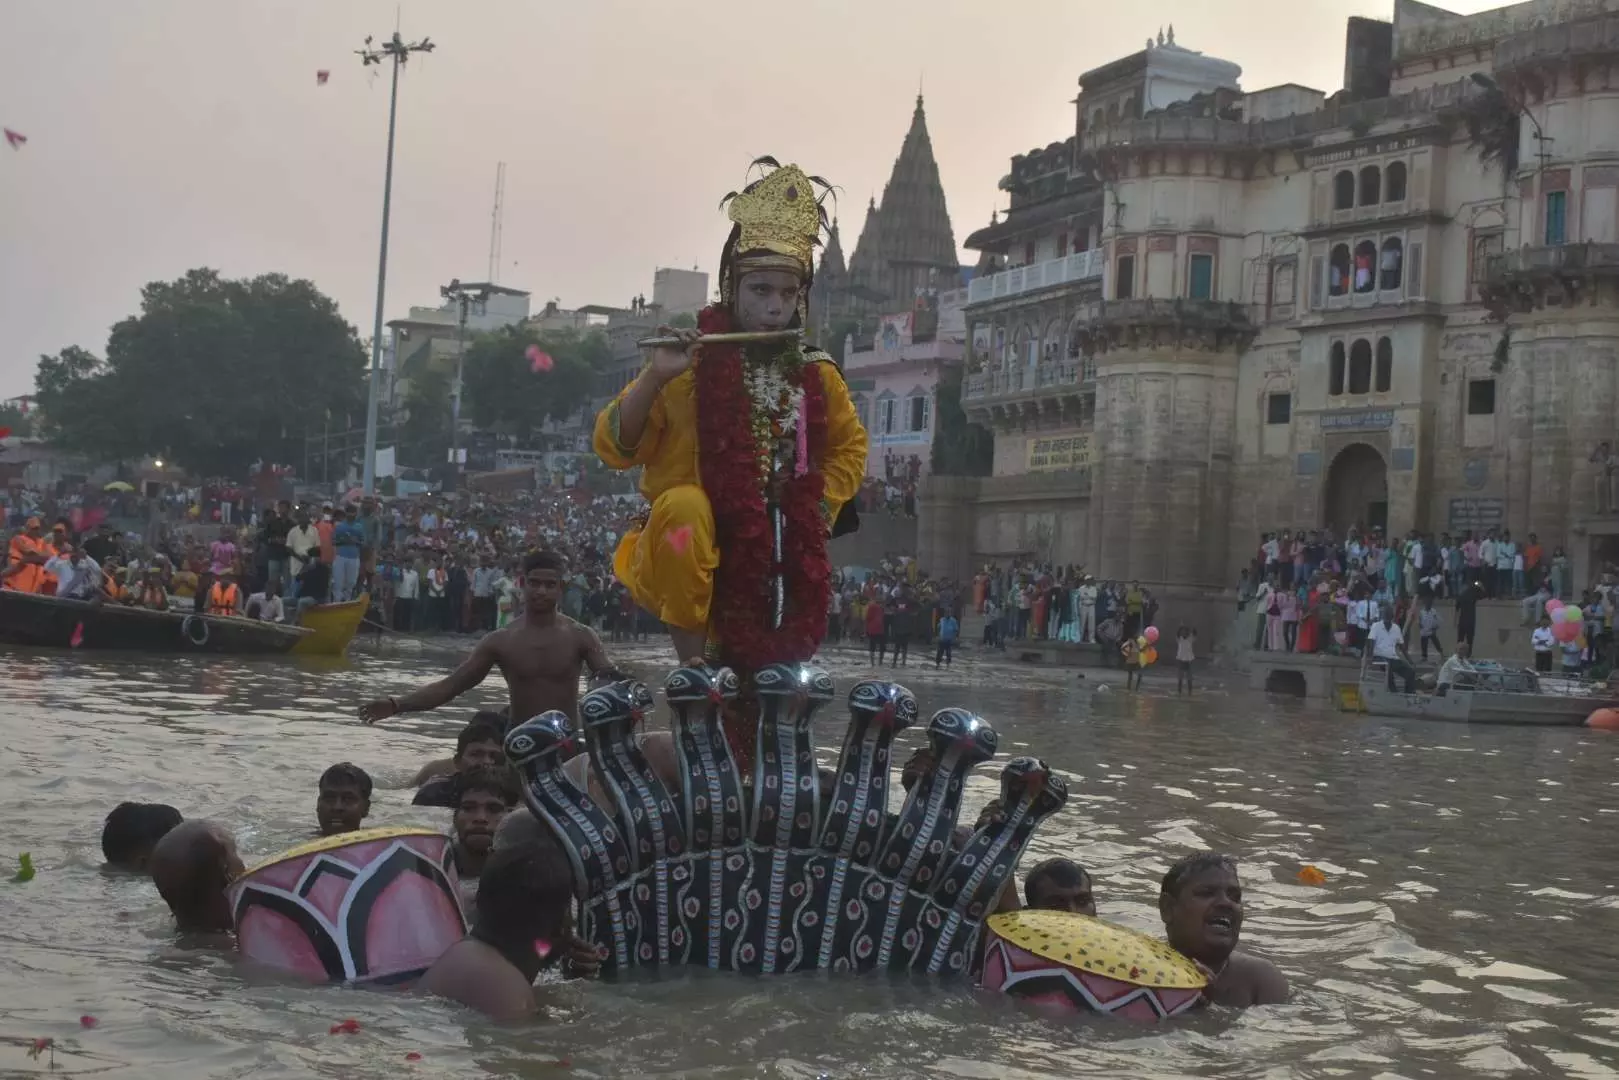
{"points": [[766, 876]]}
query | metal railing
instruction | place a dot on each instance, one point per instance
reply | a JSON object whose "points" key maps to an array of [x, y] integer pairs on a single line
{"points": [[1553, 258], [1023, 379], [1080, 266]]}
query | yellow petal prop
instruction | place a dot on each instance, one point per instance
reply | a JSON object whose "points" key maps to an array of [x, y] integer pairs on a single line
{"points": [[1089, 944]]}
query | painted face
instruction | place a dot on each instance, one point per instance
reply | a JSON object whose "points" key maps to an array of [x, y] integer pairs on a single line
{"points": [[767, 299], [477, 817], [1204, 917], [340, 809], [542, 589]]}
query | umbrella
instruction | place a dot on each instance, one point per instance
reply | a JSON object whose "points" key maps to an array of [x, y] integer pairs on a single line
{"points": [[119, 485]]}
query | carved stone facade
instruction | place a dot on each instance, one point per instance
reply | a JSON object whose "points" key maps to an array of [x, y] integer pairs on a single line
{"points": [[1303, 312]]}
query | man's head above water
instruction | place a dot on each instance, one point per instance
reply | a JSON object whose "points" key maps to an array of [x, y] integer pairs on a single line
{"points": [[191, 867], [483, 797], [132, 831], [344, 799], [1200, 902], [1059, 885]]}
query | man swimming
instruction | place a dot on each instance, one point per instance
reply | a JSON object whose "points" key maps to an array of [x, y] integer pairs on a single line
{"points": [[480, 745], [344, 799], [523, 925], [1200, 902], [540, 655], [192, 866], [1059, 885], [132, 831]]}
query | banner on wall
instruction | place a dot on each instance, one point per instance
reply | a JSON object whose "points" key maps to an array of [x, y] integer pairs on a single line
{"points": [[1061, 453]]}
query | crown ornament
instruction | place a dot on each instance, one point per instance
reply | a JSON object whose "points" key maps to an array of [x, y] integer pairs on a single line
{"points": [[780, 215]]}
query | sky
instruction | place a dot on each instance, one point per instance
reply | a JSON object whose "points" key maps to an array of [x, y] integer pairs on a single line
{"points": [[170, 134]]}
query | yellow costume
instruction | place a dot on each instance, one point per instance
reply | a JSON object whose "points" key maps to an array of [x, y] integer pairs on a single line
{"points": [[668, 564]]}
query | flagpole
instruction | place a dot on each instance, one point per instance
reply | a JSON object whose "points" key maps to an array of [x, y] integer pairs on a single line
{"points": [[399, 51]]}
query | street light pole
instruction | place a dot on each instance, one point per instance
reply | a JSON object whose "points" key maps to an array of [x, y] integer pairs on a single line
{"points": [[463, 296], [399, 50]]}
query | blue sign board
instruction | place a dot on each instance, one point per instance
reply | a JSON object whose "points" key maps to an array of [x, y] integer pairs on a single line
{"points": [[1358, 420]]}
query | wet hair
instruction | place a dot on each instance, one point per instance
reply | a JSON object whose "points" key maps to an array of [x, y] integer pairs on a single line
{"points": [[133, 829], [543, 560], [501, 782], [1063, 873], [347, 774], [525, 892], [1190, 866], [483, 727]]}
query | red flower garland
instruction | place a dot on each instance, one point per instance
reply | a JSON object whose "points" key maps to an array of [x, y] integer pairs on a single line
{"points": [[741, 610]]}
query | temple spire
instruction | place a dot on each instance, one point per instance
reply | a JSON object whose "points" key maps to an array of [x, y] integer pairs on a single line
{"points": [[907, 244]]}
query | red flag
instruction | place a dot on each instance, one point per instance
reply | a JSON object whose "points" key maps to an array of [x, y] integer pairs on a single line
{"points": [[538, 359], [75, 641], [15, 138], [321, 77], [5, 433]]}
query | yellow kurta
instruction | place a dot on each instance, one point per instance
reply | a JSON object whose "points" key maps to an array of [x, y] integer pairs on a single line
{"points": [[668, 565]]}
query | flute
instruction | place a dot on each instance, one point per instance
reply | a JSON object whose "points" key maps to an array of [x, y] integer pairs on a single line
{"points": [[747, 338]]}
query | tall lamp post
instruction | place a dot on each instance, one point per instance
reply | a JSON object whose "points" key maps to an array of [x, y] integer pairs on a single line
{"points": [[399, 51]]}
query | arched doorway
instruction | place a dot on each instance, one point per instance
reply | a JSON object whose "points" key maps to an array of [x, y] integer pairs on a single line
{"points": [[1357, 490]]}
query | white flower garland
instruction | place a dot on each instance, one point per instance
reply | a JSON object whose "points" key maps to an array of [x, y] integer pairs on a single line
{"points": [[775, 400]]}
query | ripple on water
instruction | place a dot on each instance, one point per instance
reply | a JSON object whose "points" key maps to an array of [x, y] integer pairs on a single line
{"points": [[1385, 988]]}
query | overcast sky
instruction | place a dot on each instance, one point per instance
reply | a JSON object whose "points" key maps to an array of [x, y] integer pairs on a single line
{"points": [[170, 134]]}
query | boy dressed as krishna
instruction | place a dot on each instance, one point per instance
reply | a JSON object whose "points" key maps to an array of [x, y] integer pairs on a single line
{"points": [[751, 450]]}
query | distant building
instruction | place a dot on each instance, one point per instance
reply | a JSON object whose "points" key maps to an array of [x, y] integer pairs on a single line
{"points": [[894, 384], [1209, 314], [430, 336], [679, 292], [906, 250]]}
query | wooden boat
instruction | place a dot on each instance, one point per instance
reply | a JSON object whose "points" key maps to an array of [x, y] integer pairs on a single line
{"points": [[333, 626], [28, 619], [1488, 693]]}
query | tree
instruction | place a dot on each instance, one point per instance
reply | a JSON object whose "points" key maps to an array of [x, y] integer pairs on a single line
{"points": [[212, 374], [503, 392], [425, 434], [960, 448], [19, 422]]}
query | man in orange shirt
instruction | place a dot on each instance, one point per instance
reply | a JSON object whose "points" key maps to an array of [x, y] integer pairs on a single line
{"points": [[25, 559], [1532, 569], [326, 527]]}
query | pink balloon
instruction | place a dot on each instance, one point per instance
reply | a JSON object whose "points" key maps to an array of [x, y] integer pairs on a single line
{"points": [[1151, 634], [1553, 605]]}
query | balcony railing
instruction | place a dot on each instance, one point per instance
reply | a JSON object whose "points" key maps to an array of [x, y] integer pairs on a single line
{"points": [[1080, 266], [1021, 380], [1553, 259]]}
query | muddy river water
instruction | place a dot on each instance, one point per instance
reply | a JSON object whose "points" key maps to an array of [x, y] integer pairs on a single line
{"points": [[1468, 925]]}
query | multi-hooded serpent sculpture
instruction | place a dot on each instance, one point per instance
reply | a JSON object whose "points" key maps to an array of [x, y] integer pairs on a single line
{"points": [[768, 876]]}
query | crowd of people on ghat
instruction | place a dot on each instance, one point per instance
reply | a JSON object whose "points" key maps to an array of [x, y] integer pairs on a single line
{"points": [[1311, 592]]}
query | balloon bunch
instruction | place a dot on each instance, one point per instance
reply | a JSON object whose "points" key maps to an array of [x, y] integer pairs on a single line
{"points": [[1568, 621]]}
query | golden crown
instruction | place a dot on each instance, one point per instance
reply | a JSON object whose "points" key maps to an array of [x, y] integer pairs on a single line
{"points": [[780, 214]]}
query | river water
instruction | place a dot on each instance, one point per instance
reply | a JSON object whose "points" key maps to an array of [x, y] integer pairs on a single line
{"points": [[1467, 926]]}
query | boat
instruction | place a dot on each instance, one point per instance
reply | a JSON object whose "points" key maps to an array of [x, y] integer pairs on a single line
{"points": [[52, 622], [1490, 693], [334, 626]]}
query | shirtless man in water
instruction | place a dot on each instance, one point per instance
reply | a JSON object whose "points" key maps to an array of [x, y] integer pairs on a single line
{"points": [[540, 655], [1200, 902]]}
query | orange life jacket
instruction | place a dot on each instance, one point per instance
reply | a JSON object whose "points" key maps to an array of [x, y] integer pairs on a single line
{"points": [[222, 599], [153, 596], [29, 579]]}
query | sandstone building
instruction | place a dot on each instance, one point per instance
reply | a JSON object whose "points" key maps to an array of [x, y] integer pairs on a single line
{"points": [[1210, 313]]}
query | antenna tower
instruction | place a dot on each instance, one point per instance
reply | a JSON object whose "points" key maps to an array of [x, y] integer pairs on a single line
{"points": [[497, 223]]}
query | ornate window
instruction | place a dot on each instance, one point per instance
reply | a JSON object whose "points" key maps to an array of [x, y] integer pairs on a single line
{"points": [[1385, 365], [1335, 369], [1340, 271], [1343, 191], [1390, 262], [1394, 183], [1366, 266], [1371, 186], [1360, 367]]}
